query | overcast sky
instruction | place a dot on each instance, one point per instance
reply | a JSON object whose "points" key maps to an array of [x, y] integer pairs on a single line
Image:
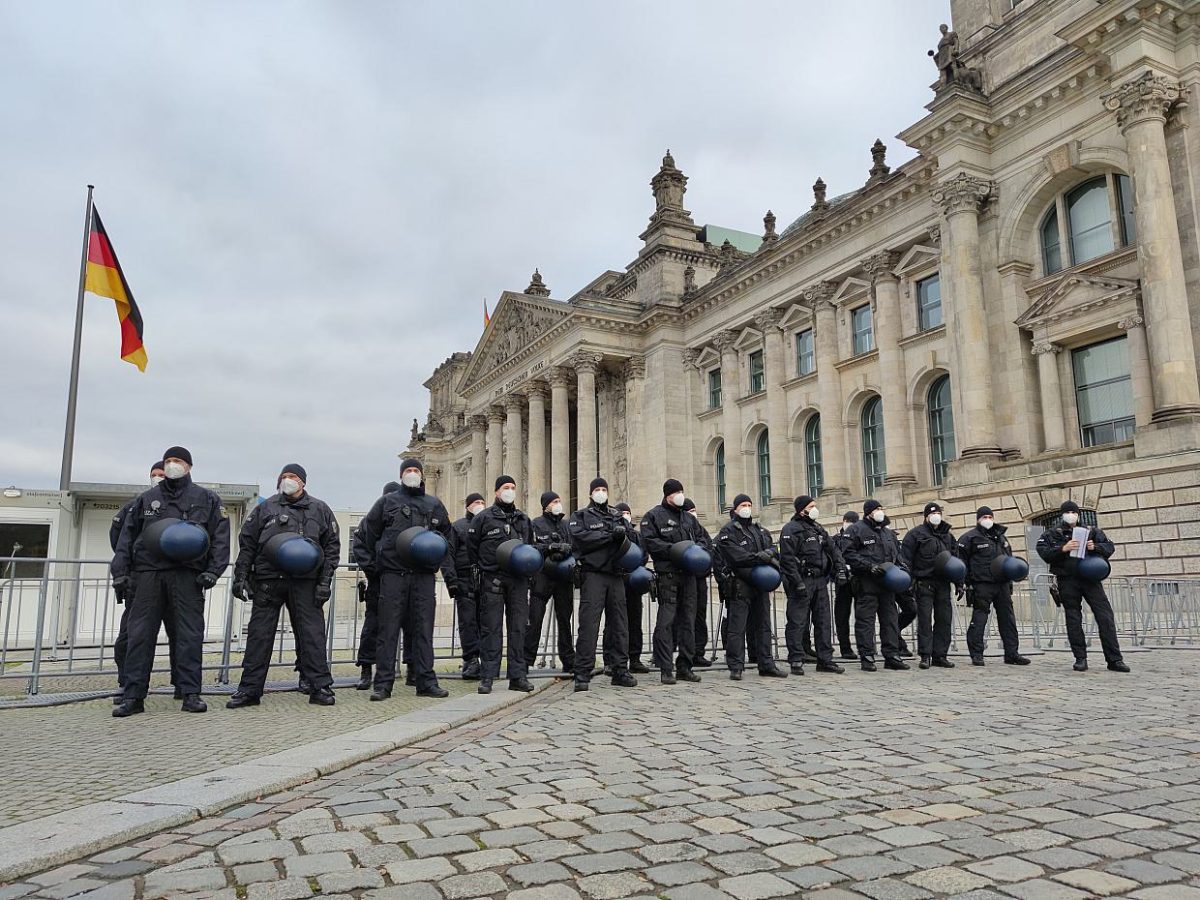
{"points": [[311, 199]]}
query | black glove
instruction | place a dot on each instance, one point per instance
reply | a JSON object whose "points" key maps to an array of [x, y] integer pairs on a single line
{"points": [[960, 592], [206, 580], [324, 592], [120, 587], [765, 556], [241, 590], [452, 590], [876, 571], [618, 535], [618, 528], [841, 576], [362, 591]]}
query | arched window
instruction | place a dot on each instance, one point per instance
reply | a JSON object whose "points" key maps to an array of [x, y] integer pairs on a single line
{"points": [[1088, 221], [941, 428], [874, 468], [812, 456], [764, 469], [720, 478]]}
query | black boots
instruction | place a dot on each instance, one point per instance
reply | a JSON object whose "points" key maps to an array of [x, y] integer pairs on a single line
{"points": [[322, 697], [240, 700], [520, 684], [364, 679], [193, 704], [128, 708]]}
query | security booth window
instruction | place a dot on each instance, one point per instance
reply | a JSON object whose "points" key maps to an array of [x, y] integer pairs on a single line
{"points": [[25, 541], [806, 360], [929, 302], [1103, 392], [714, 389], [812, 456], [758, 376], [863, 329], [764, 469], [874, 467], [941, 429], [720, 467]]}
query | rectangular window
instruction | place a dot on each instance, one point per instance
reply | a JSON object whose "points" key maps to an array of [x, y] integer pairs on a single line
{"points": [[758, 377], [806, 359], [929, 303], [863, 329], [714, 389], [1125, 205], [1103, 392], [18, 539]]}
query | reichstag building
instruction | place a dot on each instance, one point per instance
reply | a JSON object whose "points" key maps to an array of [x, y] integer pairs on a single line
{"points": [[1009, 318]]}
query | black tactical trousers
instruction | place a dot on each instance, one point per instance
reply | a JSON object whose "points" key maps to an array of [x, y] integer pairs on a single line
{"points": [[984, 597], [843, 607], [601, 593], [405, 598], [308, 626], [543, 593], [1072, 592], [749, 613], [121, 644], [466, 608], [159, 595], [700, 632], [935, 612], [906, 606], [675, 620], [504, 600], [871, 602], [809, 607], [369, 636]]}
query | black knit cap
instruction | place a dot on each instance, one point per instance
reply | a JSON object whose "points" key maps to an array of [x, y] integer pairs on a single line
{"points": [[624, 507], [672, 486], [740, 499], [983, 511], [689, 504], [411, 463], [870, 506], [548, 497], [178, 453], [802, 501], [391, 487], [502, 480], [473, 498], [597, 483], [850, 516], [295, 469], [930, 507], [1069, 506], [157, 465]]}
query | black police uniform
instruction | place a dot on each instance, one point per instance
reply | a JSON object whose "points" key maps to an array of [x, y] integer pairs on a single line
{"points": [[742, 546], [1073, 590], [697, 533], [504, 597], [598, 534], [125, 597], [550, 535], [977, 548], [662, 528], [369, 596], [935, 610], [406, 594], [166, 588], [465, 590], [869, 545], [269, 589], [843, 600], [635, 608], [809, 559]]}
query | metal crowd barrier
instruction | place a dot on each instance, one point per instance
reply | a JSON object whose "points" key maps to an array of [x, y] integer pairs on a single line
{"points": [[59, 626]]}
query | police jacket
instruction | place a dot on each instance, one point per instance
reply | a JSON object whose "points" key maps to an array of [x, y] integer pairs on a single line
{"points": [[461, 554], [663, 527], [1050, 547], [392, 514], [173, 498], [114, 530], [806, 551], [498, 523], [738, 542], [549, 529], [592, 531], [922, 545], [977, 548], [304, 515], [870, 543]]}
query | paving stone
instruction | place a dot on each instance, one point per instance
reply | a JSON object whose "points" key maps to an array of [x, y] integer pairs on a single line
{"points": [[742, 863], [1005, 869], [543, 850], [288, 889], [339, 840], [674, 874], [420, 891], [678, 852], [261, 851], [758, 886], [812, 876], [1061, 858], [538, 873], [1144, 871], [907, 836], [547, 892], [1170, 892], [1186, 861], [117, 890], [473, 884], [614, 885], [488, 859], [597, 863], [696, 892], [413, 870], [316, 864], [1040, 889], [948, 880], [443, 846], [160, 883], [344, 882], [891, 889], [248, 873], [510, 837], [864, 868], [611, 840], [1099, 883]]}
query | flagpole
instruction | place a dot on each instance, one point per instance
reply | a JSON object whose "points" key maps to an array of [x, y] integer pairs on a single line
{"points": [[64, 478]]}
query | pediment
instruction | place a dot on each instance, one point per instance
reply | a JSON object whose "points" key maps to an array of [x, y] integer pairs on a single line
{"points": [[748, 339], [518, 324], [1076, 293], [918, 258], [797, 316], [708, 359], [851, 289]]}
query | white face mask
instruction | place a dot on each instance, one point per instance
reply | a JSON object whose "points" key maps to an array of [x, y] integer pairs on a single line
{"points": [[627, 517], [475, 509], [156, 480], [175, 469], [508, 495], [985, 524], [745, 512], [677, 499], [812, 512], [935, 519], [1070, 518], [556, 509], [411, 479], [600, 497], [878, 516], [289, 486]]}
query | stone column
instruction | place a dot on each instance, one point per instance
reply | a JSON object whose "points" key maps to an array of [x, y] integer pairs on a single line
{"points": [[587, 451], [514, 449], [1139, 369], [495, 449], [560, 434], [892, 379], [959, 199], [535, 473], [638, 492], [1141, 106], [829, 389], [731, 419], [475, 481], [775, 361], [1053, 421]]}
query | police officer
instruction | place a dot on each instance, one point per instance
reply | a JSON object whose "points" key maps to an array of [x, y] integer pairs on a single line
{"points": [[843, 600], [700, 535], [809, 560], [598, 538], [125, 597], [1056, 546], [977, 548], [258, 578], [935, 612], [662, 528], [405, 593], [368, 595], [165, 586], [870, 545], [744, 544], [634, 610], [551, 537], [465, 590], [504, 596]]}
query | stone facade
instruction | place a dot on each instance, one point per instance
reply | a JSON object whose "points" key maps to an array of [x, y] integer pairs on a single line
{"points": [[1051, 203]]}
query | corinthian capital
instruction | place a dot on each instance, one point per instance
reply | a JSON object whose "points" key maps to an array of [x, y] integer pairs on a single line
{"points": [[537, 389], [561, 376], [586, 362], [478, 423], [1045, 347], [689, 356], [962, 193], [767, 319], [635, 367], [820, 294], [1146, 98], [723, 340], [881, 265], [1132, 321]]}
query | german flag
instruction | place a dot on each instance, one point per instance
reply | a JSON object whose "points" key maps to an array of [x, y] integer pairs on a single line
{"points": [[487, 319], [104, 277]]}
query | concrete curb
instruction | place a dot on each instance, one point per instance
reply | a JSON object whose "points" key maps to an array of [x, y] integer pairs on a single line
{"points": [[65, 836]]}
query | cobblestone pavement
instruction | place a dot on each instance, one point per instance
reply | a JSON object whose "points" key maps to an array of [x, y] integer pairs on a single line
{"points": [[978, 783], [67, 756]]}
